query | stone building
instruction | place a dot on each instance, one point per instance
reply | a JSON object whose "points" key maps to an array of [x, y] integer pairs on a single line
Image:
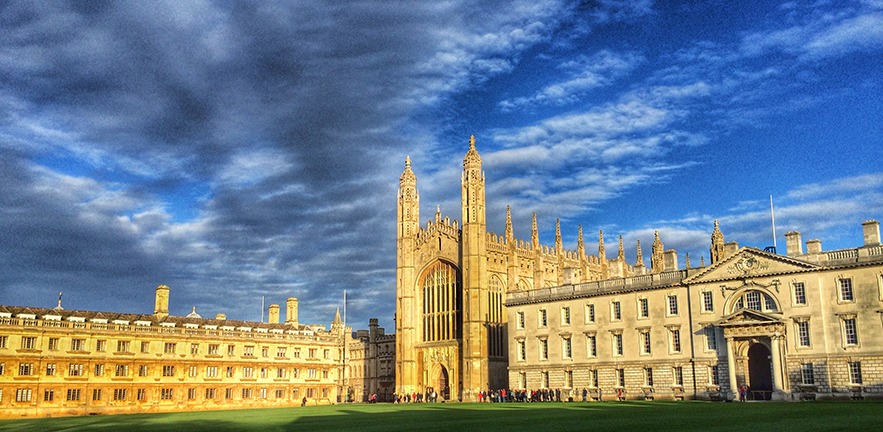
{"points": [[477, 310], [452, 281], [805, 325], [57, 362], [370, 364]]}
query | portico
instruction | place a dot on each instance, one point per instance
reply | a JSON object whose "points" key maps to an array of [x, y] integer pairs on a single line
{"points": [[754, 353]]}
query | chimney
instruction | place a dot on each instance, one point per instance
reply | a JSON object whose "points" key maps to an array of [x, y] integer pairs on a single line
{"points": [[373, 324], [221, 317], [161, 309], [814, 247], [670, 260], [730, 248], [273, 315], [793, 245], [871, 229], [291, 311]]}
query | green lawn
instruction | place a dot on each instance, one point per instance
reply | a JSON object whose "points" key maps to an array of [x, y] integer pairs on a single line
{"points": [[553, 417]]}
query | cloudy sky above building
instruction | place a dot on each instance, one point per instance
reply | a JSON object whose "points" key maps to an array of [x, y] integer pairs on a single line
{"points": [[235, 151]]}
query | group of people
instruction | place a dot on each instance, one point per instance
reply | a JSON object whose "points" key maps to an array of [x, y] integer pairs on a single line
{"points": [[507, 395], [429, 396], [543, 395]]}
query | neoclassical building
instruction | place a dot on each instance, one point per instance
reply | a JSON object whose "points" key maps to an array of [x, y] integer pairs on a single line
{"points": [[57, 362], [803, 325]]}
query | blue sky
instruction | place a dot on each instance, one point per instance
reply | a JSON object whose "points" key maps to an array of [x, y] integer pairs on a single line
{"points": [[240, 150]]}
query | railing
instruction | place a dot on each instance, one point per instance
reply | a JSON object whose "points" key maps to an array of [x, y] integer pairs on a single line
{"points": [[588, 289], [842, 254], [122, 328]]}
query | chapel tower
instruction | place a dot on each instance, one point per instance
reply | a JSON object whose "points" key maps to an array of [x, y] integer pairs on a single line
{"points": [[408, 210]]}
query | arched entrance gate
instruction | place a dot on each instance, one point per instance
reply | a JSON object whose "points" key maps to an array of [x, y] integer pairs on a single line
{"points": [[754, 354]]}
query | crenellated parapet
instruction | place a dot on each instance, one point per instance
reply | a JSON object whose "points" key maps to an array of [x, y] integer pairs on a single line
{"points": [[439, 227]]}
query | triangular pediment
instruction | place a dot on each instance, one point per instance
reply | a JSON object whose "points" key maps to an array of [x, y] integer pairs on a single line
{"points": [[749, 262], [747, 317]]}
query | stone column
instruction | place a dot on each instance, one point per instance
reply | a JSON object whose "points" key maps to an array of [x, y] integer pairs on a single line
{"points": [[731, 366], [777, 367]]}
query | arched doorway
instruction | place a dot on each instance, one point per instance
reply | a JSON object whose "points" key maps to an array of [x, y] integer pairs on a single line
{"points": [[760, 380], [443, 389]]}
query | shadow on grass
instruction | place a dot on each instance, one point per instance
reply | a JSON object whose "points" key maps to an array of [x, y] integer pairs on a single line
{"points": [[605, 416]]}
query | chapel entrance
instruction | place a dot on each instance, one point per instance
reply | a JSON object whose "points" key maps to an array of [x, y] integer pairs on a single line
{"points": [[760, 380], [443, 389]]}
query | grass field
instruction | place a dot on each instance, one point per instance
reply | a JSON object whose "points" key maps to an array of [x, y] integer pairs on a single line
{"points": [[551, 417]]}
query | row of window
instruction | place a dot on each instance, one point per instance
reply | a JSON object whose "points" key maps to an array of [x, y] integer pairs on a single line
{"points": [[645, 345], [122, 370], [677, 374], [849, 334], [615, 312], [807, 375], [124, 394], [755, 300], [125, 346]]}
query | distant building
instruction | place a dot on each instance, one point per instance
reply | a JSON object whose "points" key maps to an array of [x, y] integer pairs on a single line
{"points": [[370, 365], [800, 326], [57, 362]]}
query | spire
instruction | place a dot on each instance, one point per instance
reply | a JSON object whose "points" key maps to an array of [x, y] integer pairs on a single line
{"points": [[437, 213], [621, 254], [639, 261], [408, 178], [337, 320], [509, 235], [701, 261], [534, 232], [580, 243], [602, 255], [558, 246], [717, 244], [656, 259], [472, 159]]}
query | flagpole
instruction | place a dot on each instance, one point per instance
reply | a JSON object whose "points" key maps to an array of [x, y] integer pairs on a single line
{"points": [[773, 217]]}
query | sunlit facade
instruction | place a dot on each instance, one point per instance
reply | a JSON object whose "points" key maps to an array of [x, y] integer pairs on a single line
{"points": [[803, 325], [57, 362]]}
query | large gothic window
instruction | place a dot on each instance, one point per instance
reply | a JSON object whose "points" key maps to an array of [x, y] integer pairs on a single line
{"points": [[442, 300], [495, 322], [756, 300]]}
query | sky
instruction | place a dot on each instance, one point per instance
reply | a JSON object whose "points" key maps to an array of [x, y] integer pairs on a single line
{"points": [[242, 152]]}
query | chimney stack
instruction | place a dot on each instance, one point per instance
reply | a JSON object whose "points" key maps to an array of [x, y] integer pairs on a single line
{"points": [[814, 247], [161, 308], [670, 260], [291, 311], [793, 245], [871, 229], [273, 316]]}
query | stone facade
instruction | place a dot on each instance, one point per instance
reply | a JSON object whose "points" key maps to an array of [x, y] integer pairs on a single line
{"points": [[371, 364], [478, 310], [57, 362], [786, 327], [451, 284]]}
